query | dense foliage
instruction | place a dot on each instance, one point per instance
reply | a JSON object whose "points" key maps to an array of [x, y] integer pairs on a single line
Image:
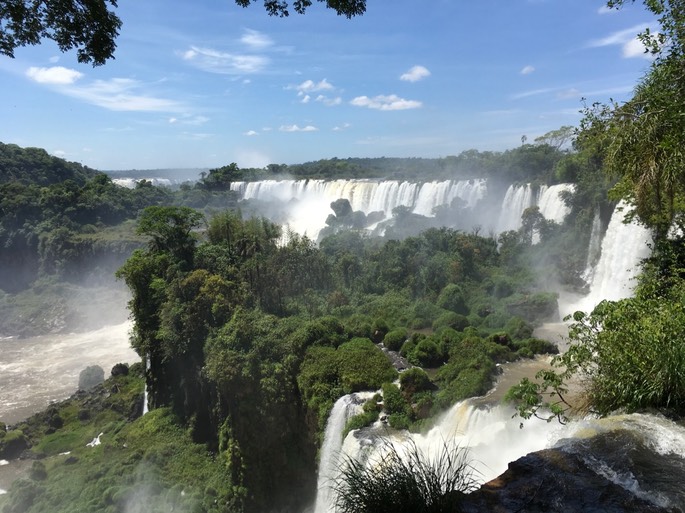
{"points": [[630, 353]]}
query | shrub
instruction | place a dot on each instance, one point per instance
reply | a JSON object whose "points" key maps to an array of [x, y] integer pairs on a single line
{"points": [[379, 329], [394, 483], [394, 339], [452, 298], [425, 354], [413, 381], [452, 320]]}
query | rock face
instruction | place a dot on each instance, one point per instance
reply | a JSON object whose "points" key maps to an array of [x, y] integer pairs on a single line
{"points": [[91, 377], [555, 481]]}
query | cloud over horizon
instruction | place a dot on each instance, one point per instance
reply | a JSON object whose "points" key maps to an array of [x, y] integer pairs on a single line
{"points": [[385, 102]]}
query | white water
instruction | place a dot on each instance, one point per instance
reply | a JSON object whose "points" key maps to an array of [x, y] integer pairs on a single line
{"points": [[493, 439], [516, 200], [552, 207], [613, 278], [594, 248], [37, 371], [344, 408], [308, 201]]}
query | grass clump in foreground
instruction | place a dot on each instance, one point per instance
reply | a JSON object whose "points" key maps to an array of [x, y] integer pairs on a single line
{"points": [[412, 483]]}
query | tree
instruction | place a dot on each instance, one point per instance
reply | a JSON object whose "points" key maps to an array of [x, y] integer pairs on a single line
{"points": [[348, 8], [91, 26], [170, 229], [643, 137]]}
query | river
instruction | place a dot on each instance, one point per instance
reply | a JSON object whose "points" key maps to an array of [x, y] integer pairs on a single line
{"points": [[39, 370]]}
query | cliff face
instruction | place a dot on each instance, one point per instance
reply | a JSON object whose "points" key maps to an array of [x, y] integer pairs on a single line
{"points": [[555, 481]]}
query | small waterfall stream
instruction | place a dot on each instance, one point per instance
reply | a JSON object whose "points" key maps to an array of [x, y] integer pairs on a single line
{"points": [[329, 461]]}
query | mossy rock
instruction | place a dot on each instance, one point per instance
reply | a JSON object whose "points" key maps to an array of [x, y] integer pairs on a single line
{"points": [[13, 444]]}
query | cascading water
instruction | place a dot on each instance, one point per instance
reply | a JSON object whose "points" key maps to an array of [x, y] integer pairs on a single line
{"points": [[516, 200], [594, 248], [645, 454], [623, 247], [551, 205], [308, 201], [146, 407], [344, 408], [490, 434]]}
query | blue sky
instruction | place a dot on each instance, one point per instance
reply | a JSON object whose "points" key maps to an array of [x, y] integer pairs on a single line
{"points": [[207, 83]]}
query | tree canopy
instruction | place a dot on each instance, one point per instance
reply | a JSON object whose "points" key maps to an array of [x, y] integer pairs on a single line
{"points": [[91, 26]]}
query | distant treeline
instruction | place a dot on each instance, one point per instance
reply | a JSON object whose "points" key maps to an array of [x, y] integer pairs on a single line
{"points": [[527, 163]]}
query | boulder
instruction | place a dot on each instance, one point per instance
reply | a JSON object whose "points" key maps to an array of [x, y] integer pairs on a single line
{"points": [[91, 377], [554, 481]]}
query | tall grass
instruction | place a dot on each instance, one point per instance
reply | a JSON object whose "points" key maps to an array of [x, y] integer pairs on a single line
{"points": [[409, 482]]}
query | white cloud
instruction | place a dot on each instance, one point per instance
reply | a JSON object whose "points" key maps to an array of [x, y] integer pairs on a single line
{"points": [[309, 86], [329, 101], [250, 133], [172, 120], [118, 94], [224, 63], [415, 74], [385, 102], [121, 94], [627, 40], [305, 98], [54, 59], [527, 70], [59, 153], [635, 48], [339, 128], [58, 75], [295, 128], [256, 40], [605, 10]]}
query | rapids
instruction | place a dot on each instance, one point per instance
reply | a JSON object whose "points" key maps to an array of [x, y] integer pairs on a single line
{"points": [[37, 371]]}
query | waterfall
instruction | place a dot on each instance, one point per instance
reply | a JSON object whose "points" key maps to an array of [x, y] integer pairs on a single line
{"points": [[651, 466], [594, 247], [344, 408], [516, 200], [491, 436], [552, 207], [146, 407], [622, 249], [308, 201]]}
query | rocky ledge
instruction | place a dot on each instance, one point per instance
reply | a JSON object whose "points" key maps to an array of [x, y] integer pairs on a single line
{"points": [[556, 481]]}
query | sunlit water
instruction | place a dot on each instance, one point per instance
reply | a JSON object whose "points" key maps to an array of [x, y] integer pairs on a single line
{"points": [[37, 371]]}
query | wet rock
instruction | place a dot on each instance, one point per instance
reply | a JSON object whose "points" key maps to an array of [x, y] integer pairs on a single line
{"points": [[90, 377], [554, 481], [120, 369], [12, 444]]}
